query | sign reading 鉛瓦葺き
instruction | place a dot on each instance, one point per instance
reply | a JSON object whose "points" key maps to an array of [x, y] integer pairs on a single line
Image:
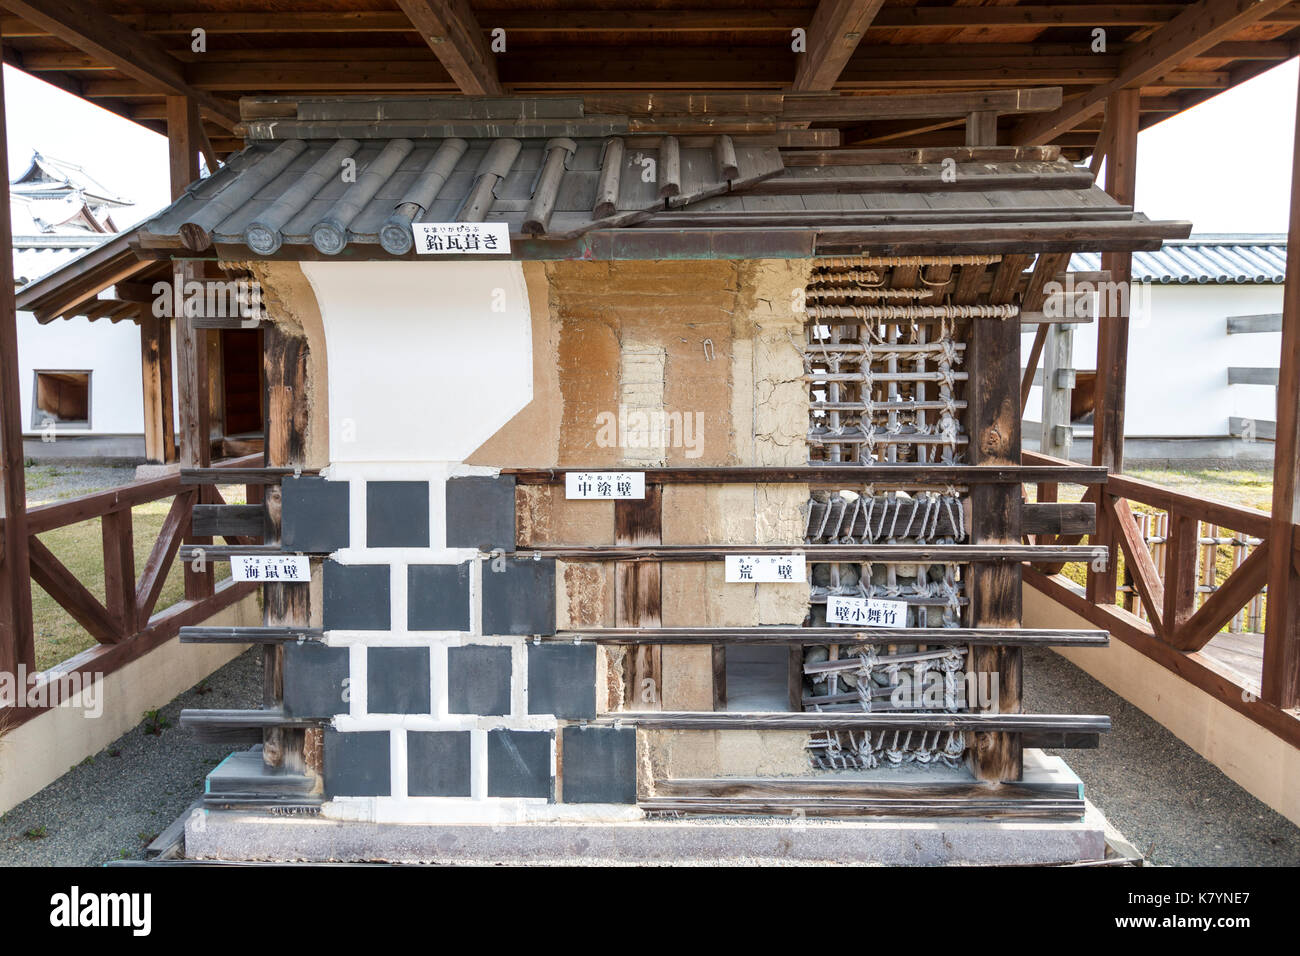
{"points": [[867, 612], [461, 238], [765, 569], [605, 484], [270, 568]]}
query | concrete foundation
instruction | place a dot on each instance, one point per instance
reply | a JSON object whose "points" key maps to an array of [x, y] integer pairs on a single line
{"points": [[239, 835]]}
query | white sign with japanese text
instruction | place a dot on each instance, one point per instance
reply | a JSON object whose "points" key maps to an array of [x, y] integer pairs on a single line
{"points": [[866, 612], [461, 238], [273, 568], [598, 485], [765, 569]]}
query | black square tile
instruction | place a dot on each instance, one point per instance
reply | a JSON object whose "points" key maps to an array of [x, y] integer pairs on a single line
{"points": [[437, 597], [481, 512], [598, 765], [313, 515], [397, 680], [397, 514], [519, 763], [518, 596], [562, 680], [437, 763], [356, 597], [315, 680], [478, 680], [357, 764]]}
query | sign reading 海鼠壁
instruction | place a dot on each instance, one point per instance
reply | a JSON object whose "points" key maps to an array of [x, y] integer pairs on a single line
{"points": [[270, 568], [461, 238]]}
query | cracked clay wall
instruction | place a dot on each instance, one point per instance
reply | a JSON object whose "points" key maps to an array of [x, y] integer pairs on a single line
{"points": [[687, 363]]}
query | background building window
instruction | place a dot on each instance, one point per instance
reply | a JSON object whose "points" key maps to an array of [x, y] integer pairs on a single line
{"points": [[63, 397]]}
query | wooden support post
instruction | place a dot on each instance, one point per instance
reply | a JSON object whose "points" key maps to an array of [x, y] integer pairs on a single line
{"points": [[982, 128], [638, 598], [191, 343], [17, 644], [1181, 549], [156, 378], [993, 414], [1057, 437], [1281, 680], [119, 569], [289, 604], [1112, 331]]}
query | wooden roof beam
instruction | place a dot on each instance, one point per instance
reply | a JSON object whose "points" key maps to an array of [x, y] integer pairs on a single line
{"points": [[140, 57], [836, 29], [1200, 27], [451, 31]]}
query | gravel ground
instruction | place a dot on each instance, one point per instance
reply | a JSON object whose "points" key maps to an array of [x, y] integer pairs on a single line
{"points": [[112, 805], [1175, 807], [51, 482]]}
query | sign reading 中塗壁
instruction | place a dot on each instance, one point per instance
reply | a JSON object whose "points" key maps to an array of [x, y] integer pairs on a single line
{"points": [[461, 238], [270, 568], [765, 569], [868, 612], [605, 484]]}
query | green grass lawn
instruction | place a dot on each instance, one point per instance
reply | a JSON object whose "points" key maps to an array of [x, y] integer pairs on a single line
{"points": [[80, 548]]}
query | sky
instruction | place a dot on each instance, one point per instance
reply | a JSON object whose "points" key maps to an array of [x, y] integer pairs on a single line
{"points": [[1225, 165]]}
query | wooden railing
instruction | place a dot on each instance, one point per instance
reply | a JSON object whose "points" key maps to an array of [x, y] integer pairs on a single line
{"points": [[1192, 567], [127, 623]]}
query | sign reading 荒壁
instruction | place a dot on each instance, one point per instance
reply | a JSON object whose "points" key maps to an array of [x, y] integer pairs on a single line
{"points": [[765, 569], [272, 568], [461, 238], [867, 612], [605, 484]]}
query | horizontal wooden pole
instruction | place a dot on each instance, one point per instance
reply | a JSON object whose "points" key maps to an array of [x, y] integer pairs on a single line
{"points": [[238, 476], [866, 806], [834, 475], [833, 635], [865, 553], [920, 720], [252, 635], [228, 520], [1051, 517]]}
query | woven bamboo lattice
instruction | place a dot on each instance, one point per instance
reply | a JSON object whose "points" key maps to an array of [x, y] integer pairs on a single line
{"points": [[882, 355], [883, 352]]}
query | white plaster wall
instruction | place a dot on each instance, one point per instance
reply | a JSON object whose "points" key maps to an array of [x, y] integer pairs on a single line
{"points": [[110, 352], [1179, 354], [429, 369]]}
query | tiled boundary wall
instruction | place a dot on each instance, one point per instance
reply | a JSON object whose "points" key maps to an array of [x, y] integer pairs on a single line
{"points": [[429, 676]]}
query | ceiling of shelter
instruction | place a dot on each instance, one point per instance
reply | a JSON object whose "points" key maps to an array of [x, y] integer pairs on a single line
{"points": [[127, 55]]}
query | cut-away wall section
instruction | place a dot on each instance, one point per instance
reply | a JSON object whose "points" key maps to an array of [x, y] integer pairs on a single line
{"points": [[436, 376]]}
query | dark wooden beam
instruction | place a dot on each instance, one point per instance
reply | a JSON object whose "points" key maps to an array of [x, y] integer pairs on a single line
{"points": [[1281, 679], [451, 31], [833, 35], [91, 30], [1112, 335], [17, 644], [1195, 30]]}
